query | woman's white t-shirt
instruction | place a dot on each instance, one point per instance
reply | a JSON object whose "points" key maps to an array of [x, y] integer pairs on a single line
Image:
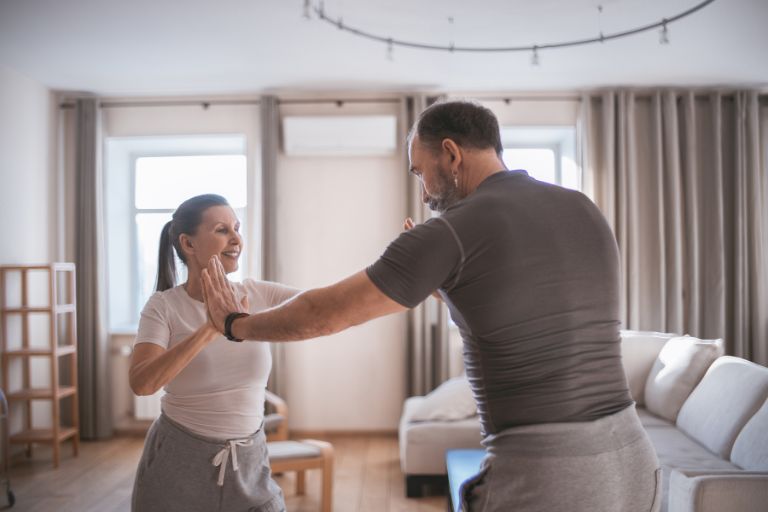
{"points": [[220, 393]]}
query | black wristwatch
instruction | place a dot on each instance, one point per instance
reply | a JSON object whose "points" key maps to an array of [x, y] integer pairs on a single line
{"points": [[228, 325]]}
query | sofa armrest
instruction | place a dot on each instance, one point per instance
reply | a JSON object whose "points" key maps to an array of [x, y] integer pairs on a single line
{"points": [[713, 491]]}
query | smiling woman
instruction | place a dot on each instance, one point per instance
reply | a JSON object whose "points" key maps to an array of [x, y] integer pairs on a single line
{"points": [[213, 406]]}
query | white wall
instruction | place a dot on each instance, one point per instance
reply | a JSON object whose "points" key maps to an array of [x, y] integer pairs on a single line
{"points": [[28, 114], [335, 216], [534, 111], [27, 150]]}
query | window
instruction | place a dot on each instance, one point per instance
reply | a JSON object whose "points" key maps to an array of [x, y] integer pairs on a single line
{"points": [[547, 153], [158, 174]]}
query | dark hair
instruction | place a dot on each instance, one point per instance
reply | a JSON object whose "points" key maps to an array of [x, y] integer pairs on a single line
{"points": [[186, 219], [467, 123]]}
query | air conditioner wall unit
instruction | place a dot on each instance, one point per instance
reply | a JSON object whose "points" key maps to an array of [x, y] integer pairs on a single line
{"points": [[339, 135]]}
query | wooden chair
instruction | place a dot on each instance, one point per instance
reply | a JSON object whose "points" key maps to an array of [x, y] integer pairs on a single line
{"points": [[276, 422], [299, 455]]}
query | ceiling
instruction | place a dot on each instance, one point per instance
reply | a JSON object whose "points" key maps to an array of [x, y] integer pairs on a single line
{"points": [[186, 47]]}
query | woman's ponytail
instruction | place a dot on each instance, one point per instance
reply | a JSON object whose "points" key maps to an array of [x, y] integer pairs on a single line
{"points": [[166, 264]]}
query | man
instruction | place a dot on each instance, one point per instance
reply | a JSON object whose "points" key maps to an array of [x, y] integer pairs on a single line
{"points": [[530, 273]]}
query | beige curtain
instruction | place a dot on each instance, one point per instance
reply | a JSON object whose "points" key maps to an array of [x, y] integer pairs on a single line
{"points": [[92, 339], [428, 357], [269, 110], [681, 177]]}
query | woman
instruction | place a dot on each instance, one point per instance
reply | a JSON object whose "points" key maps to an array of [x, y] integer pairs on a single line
{"points": [[207, 450]]}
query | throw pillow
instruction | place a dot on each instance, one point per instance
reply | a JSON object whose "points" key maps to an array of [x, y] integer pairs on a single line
{"points": [[639, 350], [677, 370], [450, 401]]}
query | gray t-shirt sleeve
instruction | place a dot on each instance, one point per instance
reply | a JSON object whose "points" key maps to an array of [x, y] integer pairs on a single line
{"points": [[418, 262]]}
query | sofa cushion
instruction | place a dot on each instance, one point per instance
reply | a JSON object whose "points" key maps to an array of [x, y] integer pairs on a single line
{"points": [[650, 420], [730, 393], [450, 401], [677, 370], [750, 451], [675, 450], [423, 444], [639, 350]]}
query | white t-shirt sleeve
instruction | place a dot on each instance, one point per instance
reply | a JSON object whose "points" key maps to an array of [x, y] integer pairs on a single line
{"points": [[273, 294], [153, 325]]}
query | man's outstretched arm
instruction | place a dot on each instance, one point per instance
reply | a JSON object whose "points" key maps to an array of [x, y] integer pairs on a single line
{"points": [[317, 312]]}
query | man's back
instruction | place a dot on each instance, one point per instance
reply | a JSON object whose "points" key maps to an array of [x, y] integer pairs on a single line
{"points": [[530, 273], [537, 301]]}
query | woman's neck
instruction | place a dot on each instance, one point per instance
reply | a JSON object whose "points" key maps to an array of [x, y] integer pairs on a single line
{"points": [[194, 286]]}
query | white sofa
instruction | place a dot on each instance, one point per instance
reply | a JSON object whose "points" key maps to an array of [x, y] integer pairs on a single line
{"points": [[706, 414]]}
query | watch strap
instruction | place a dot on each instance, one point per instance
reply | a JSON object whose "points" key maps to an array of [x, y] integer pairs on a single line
{"points": [[228, 325]]}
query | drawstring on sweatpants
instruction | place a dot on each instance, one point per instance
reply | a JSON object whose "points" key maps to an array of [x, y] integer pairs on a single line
{"points": [[220, 460]]}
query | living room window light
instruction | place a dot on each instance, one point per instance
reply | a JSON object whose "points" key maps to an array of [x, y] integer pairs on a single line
{"points": [[546, 152]]}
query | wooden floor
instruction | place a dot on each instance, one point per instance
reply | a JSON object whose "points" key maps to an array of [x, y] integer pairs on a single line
{"points": [[367, 478]]}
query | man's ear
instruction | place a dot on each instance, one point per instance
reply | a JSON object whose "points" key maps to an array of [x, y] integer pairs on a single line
{"points": [[185, 242], [454, 152]]}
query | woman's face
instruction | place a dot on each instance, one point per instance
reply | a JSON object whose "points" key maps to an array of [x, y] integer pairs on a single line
{"points": [[219, 234]]}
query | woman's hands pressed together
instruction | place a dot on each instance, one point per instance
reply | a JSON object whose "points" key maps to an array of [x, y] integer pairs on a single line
{"points": [[219, 294]]}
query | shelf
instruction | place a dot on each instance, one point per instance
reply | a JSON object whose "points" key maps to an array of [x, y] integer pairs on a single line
{"points": [[61, 341], [60, 308], [41, 393], [42, 435], [58, 266], [62, 350]]}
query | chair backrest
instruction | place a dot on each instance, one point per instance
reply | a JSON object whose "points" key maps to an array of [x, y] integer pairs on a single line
{"points": [[276, 422]]}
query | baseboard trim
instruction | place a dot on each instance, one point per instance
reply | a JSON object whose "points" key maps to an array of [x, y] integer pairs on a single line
{"points": [[130, 427], [139, 428], [297, 434]]}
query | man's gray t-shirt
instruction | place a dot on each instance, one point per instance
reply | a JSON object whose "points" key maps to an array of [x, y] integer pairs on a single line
{"points": [[530, 273]]}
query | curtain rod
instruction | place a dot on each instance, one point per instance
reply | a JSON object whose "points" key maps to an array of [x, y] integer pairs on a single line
{"points": [[338, 102], [763, 96], [512, 98], [208, 103], [697, 95]]}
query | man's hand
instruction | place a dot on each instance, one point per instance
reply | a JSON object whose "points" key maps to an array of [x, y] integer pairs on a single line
{"points": [[219, 294]]}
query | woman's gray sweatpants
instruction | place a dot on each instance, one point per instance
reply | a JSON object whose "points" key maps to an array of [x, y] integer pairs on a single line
{"points": [[177, 473], [606, 465]]}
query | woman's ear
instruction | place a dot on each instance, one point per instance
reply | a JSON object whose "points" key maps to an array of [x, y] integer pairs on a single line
{"points": [[185, 242]]}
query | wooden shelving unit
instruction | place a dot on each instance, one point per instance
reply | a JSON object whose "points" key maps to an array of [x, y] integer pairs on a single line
{"points": [[61, 352]]}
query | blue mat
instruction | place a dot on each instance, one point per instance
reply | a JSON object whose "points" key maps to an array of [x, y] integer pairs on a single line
{"points": [[461, 465]]}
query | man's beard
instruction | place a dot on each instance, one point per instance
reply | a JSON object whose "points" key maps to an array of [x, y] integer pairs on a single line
{"points": [[446, 195]]}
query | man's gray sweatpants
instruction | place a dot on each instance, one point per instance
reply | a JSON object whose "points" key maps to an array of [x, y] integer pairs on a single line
{"points": [[606, 465], [177, 472]]}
